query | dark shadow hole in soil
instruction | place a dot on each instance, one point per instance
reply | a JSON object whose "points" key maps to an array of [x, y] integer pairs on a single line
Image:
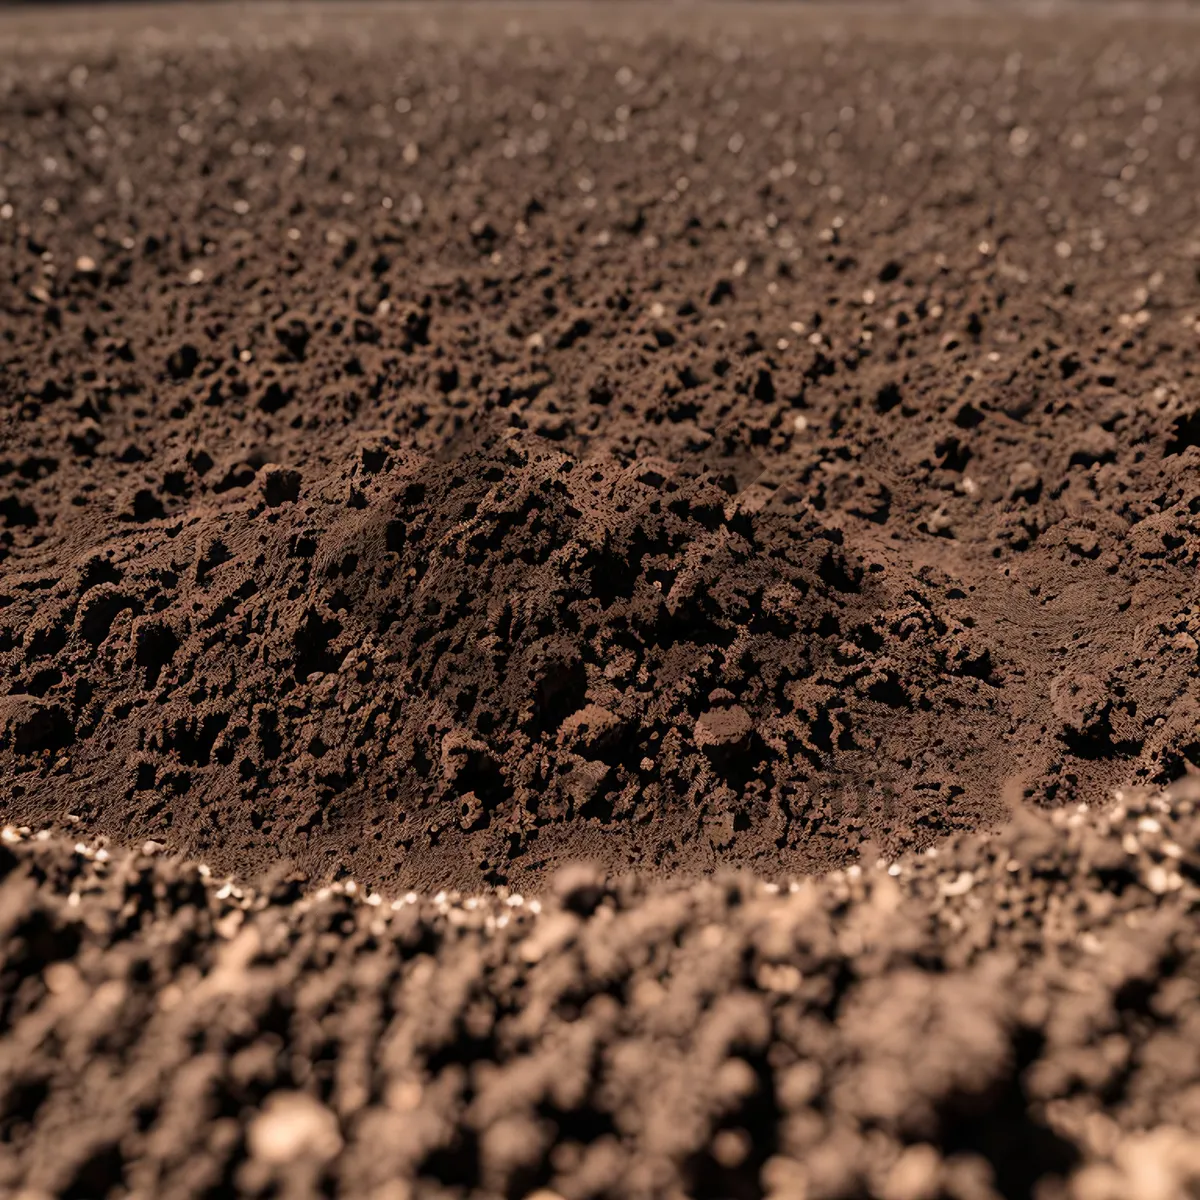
{"points": [[600, 807], [890, 691], [455, 1165], [887, 398], [1176, 763], [194, 742], [48, 729], [312, 643], [395, 536], [559, 692], [100, 615], [739, 764], [17, 515], [999, 1127], [967, 417], [1184, 433], [821, 732], [1090, 458], [980, 668], [1096, 743], [156, 648], [481, 774], [98, 571], [101, 1172], [274, 398], [48, 640], [954, 454], [147, 506], [613, 577], [20, 1107], [759, 1116], [268, 733], [44, 680], [1134, 996], [834, 572]]}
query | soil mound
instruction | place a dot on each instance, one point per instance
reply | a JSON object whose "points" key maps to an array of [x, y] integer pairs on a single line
{"points": [[480, 457], [417, 659]]}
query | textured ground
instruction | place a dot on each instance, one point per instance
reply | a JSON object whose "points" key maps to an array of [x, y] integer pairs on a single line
{"points": [[436, 447], [1013, 1017], [440, 446]]}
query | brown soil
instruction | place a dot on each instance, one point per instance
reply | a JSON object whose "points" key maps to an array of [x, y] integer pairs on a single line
{"points": [[441, 446], [433, 460], [1016, 1017]]}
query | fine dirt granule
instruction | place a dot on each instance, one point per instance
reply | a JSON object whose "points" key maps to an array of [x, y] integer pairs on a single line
{"points": [[1018, 1016], [435, 449]]}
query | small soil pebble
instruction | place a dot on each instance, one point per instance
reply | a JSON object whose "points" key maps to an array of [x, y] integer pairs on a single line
{"points": [[723, 730], [293, 1126]]}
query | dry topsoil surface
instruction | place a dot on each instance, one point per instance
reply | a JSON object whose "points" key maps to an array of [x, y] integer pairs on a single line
{"points": [[448, 443], [440, 445]]}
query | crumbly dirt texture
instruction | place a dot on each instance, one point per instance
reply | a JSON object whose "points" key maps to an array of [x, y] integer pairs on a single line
{"points": [[1016, 1016], [466, 474], [438, 444]]}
